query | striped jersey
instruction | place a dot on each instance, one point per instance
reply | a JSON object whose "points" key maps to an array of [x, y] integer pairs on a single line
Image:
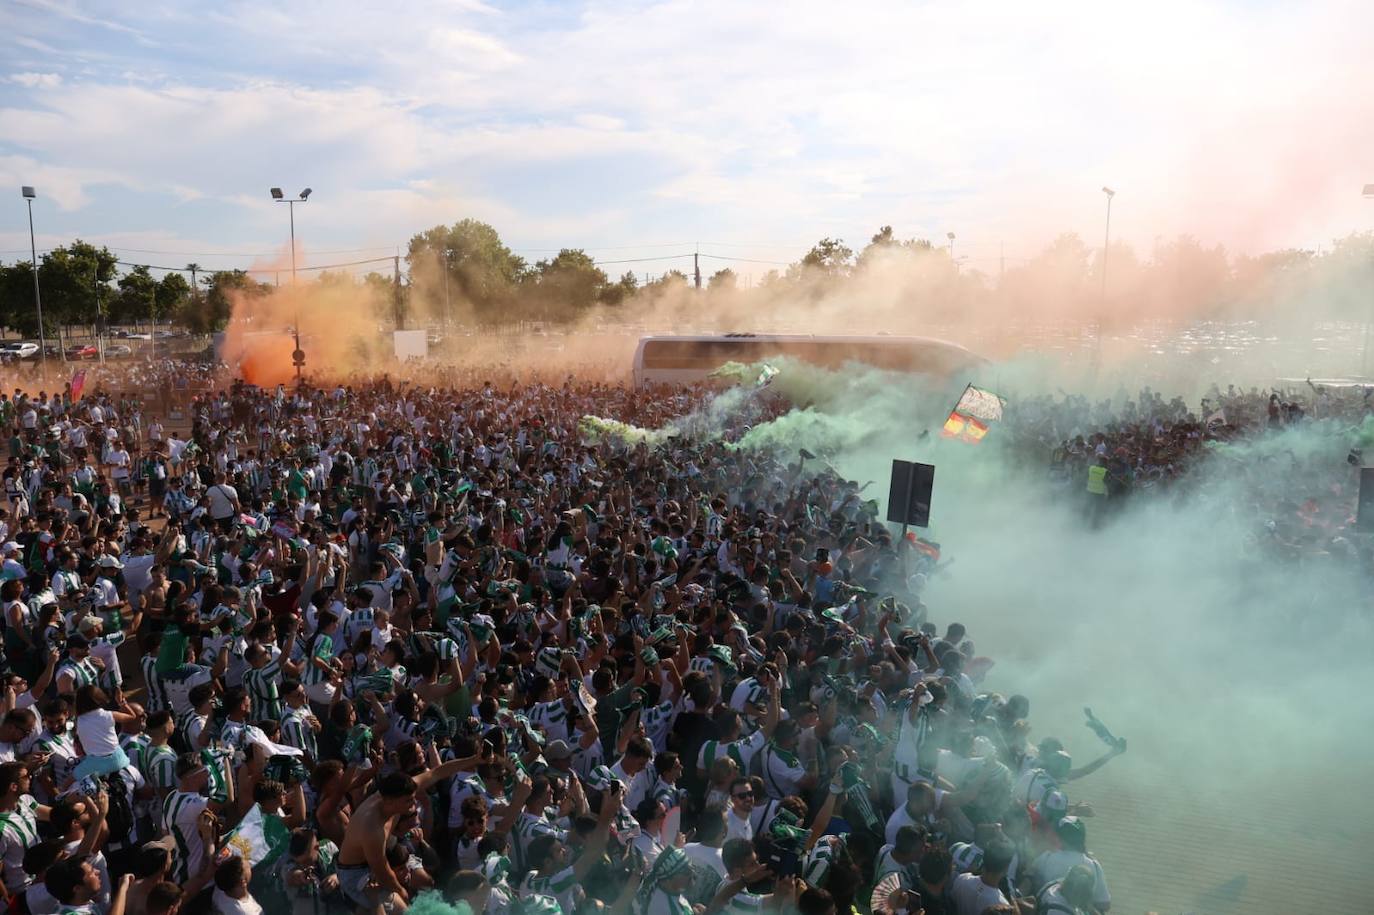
{"points": [[324, 650], [561, 885], [526, 829], [190, 724], [297, 732], [553, 718], [159, 766], [62, 754], [82, 672], [181, 814], [262, 685], [18, 832], [156, 698]]}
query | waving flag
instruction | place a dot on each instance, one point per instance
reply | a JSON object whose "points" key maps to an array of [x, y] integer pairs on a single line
{"points": [[766, 375], [964, 428], [980, 404], [258, 839], [78, 383]]}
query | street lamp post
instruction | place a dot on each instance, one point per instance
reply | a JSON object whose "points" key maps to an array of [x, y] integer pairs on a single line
{"points": [[1102, 299], [29, 195], [1368, 193], [297, 357], [950, 236]]}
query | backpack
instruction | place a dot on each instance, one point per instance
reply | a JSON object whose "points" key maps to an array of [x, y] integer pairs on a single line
{"points": [[120, 817]]}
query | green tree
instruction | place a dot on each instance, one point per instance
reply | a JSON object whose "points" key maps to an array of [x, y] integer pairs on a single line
{"points": [[480, 269], [74, 281], [211, 312], [885, 241], [829, 257], [1186, 277], [568, 283], [17, 309], [173, 292], [622, 289], [723, 280], [381, 294], [135, 298]]}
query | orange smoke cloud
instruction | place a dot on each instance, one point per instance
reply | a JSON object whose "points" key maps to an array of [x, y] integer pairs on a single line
{"points": [[340, 320]]}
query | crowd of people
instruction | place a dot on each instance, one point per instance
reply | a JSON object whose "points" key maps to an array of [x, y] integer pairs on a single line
{"points": [[1115, 450], [362, 647]]}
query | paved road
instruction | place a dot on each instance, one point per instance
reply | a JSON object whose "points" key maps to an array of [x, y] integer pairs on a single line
{"points": [[1286, 848]]}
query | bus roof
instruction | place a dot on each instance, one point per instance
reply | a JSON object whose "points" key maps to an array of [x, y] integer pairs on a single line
{"points": [[820, 338]]}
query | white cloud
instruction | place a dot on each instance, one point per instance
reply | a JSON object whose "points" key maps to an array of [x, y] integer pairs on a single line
{"points": [[999, 120], [36, 80]]}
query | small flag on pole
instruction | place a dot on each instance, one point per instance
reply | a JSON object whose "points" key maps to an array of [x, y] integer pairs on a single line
{"points": [[980, 404], [964, 428], [78, 383]]}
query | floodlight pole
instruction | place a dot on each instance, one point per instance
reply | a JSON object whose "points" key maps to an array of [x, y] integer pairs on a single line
{"points": [[291, 209], [1102, 299], [37, 295]]}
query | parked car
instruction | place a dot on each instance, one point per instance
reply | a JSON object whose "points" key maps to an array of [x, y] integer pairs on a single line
{"points": [[117, 351], [81, 351], [21, 350]]}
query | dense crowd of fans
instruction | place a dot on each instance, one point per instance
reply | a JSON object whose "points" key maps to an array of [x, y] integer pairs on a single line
{"points": [[360, 647]]}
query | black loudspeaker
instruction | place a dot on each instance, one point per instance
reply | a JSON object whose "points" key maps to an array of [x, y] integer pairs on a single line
{"points": [[908, 498], [1364, 517]]}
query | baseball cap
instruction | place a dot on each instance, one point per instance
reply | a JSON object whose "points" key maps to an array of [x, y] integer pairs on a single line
{"points": [[1071, 826], [558, 749]]}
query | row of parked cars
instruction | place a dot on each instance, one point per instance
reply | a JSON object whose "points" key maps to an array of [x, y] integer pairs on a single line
{"points": [[10, 352]]}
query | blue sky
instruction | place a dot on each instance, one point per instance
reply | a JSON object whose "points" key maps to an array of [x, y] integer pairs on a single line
{"points": [[639, 129]]}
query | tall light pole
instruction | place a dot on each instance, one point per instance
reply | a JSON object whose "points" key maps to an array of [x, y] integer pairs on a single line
{"points": [[291, 205], [1368, 194], [297, 357], [1102, 300], [950, 236], [29, 195]]}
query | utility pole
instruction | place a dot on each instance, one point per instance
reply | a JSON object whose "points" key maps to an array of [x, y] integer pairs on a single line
{"points": [[448, 306], [396, 281], [696, 267], [99, 315]]}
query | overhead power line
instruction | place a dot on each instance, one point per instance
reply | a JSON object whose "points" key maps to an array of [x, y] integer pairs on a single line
{"points": [[371, 260]]}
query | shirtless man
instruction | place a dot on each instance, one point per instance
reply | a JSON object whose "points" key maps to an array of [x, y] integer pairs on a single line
{"points": [[364, 874]]}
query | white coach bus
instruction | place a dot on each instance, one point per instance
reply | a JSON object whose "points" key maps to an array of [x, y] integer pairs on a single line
{"points": [[666, 360]]}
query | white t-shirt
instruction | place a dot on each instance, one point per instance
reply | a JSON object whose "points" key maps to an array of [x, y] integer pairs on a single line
{"points": [[119, 460], [224, 904], [636, 786], [971, 896], [136, 569], [705, 856], [222, 498], [97, 733], [737, 827]]}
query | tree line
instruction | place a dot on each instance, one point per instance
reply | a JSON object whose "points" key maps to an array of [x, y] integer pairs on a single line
{"points": [[81, 284], [465, 272]]}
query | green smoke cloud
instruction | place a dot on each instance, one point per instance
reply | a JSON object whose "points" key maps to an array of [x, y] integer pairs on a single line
{"points": [[1240, 677]]}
